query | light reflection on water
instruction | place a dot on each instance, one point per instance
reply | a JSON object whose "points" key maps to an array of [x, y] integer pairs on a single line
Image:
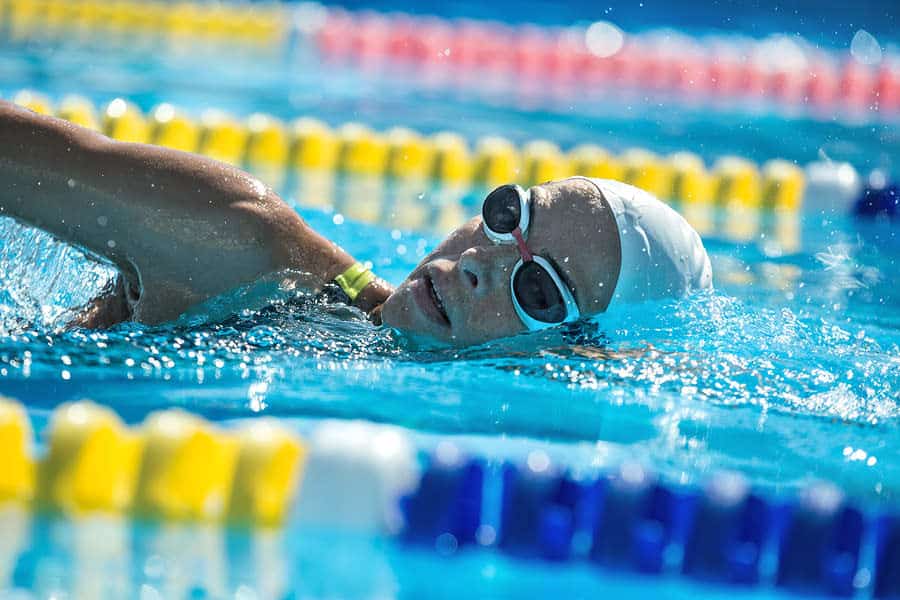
{"points": [[790, 370], [792, 360]]}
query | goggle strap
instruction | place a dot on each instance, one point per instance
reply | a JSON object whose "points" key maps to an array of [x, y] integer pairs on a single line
{"points": [[520, 242]]}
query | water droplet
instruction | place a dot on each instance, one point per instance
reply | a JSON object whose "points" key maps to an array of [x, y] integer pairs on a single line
{"points": [[538, 461], [259, 187], [116, 108], [486, 535], [604, 39], [865, 48], [446, 544]]}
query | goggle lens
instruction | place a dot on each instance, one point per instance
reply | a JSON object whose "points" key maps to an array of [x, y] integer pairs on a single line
{"points": [[502, 209], [537, 294]]}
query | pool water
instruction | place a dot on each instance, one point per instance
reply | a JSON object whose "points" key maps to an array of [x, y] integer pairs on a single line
{"points": [[789, 371], [192, 561], [717, 381]]}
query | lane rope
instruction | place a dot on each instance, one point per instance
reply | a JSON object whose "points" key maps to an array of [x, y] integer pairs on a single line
{"points": [[401, 153], [573, 62], [176, 466]]}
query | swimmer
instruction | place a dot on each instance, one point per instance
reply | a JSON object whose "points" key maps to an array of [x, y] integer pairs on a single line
{"points": [[181, 229]]}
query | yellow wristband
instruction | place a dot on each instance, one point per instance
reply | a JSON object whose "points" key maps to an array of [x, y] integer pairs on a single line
{"points": [[354, 279]]}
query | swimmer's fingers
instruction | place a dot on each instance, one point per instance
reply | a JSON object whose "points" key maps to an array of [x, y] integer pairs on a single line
{"points": [[375, 315]]}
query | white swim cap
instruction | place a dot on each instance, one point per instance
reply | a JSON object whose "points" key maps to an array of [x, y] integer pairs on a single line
{"points": [[662, 255]]}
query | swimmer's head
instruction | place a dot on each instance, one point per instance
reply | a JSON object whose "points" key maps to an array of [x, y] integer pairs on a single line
{"points": [[571, 226]]}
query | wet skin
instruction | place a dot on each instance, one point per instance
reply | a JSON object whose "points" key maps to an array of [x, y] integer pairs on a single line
{"points": [[179, 227], [182, 228], [572, 226]]}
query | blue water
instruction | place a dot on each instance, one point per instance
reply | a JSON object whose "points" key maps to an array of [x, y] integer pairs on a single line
{"points": [[789, 371], [721, 380]]}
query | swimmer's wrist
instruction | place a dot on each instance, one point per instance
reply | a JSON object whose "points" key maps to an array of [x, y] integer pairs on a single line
{"points": [[370, 299], [361, 287], [354, 279]]}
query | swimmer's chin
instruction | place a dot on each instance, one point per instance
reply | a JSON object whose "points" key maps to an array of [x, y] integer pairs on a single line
{"points": [[397, 314]]}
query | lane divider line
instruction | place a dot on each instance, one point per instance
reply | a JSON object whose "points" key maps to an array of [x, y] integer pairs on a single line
{"points": [[177, 467]]}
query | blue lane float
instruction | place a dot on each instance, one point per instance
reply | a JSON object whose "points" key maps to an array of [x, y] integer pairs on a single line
{"points": [[539, 512], [634, 520], [880, 199], [446, 508], [887, 558], [725, 533], [728, 529], [820, 543]]}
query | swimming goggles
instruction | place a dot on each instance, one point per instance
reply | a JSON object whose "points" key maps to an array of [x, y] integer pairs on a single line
{"points": [[539, 295]]}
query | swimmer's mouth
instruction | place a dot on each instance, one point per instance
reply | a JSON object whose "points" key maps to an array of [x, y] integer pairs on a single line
{"points": [[436, 298]]}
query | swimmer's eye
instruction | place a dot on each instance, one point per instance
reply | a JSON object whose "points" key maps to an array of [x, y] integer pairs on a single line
{"points": [[561, 273], [538, 294]]}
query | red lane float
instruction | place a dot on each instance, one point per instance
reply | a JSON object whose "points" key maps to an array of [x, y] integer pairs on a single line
{"points": [[779, 71]]}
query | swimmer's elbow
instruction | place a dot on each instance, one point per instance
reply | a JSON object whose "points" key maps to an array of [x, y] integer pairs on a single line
{"points": [[260, 206]]}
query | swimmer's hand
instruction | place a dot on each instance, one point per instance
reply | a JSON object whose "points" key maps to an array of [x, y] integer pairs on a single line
{"points": [[181, 228], [372, 297], [375, 314]]}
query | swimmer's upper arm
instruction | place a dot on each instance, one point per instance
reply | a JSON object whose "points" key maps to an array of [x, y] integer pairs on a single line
{"points": [[180, 226]]}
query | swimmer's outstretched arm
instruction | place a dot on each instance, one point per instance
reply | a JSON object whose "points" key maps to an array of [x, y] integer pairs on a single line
{"points": [[180, 227]]}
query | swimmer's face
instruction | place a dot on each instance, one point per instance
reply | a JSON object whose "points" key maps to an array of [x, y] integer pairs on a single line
{"points": [[571, 225]]}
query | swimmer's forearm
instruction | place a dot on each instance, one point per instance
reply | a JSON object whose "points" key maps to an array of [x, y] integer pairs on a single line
{"points": [[83, 187], [187, 226]]}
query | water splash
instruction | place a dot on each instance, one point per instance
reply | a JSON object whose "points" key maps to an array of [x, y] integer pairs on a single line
{"points": [[42, 279]]}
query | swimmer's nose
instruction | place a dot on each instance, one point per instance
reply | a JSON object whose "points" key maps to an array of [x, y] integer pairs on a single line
{"points": [[477, 268]]}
